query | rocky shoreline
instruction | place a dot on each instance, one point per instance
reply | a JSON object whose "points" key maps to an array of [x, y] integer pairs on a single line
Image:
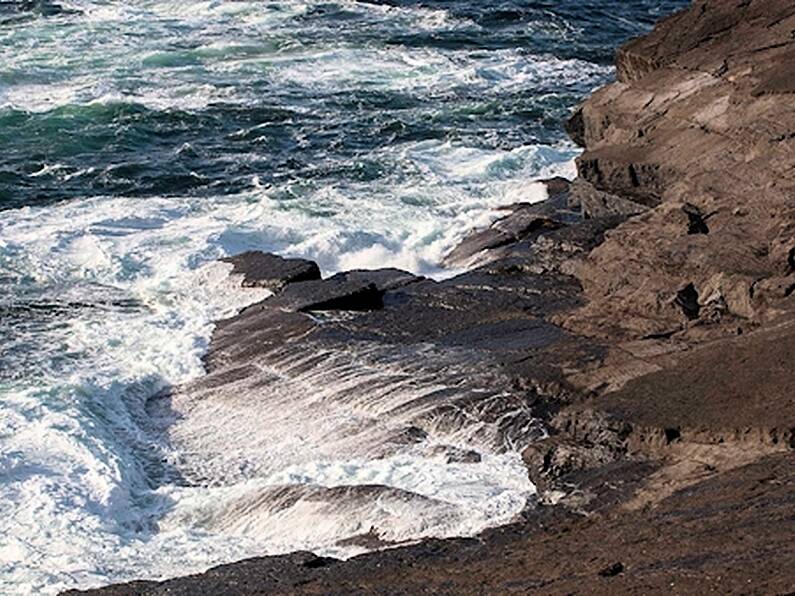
{"points": [[636, 330]]}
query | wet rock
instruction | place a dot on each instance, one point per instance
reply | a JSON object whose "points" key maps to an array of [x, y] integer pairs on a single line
{"points": [[522, 224], [383, 279], [556, 186], [464, 457], [457, 455], [476, 244], [525, 225], [410, 435], [315, 562], [518, 334], [347, 291], [265, 270], [335, 293], [553, 459]]}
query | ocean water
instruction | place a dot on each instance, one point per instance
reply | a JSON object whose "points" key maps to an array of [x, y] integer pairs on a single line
{"points": [[141, 141]]}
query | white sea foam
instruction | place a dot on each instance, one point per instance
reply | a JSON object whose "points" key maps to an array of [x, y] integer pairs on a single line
{"points": [[77, 504], [125, 292], [178, 79], [77, 508], [433, 70], [428, 498]]}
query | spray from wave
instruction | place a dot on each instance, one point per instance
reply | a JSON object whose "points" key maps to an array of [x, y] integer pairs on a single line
{"points": [[140, 142]]}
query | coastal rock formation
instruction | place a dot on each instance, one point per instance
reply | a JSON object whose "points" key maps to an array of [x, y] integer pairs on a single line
{"points": [[272, 272], [636, 331], [700, 126]]}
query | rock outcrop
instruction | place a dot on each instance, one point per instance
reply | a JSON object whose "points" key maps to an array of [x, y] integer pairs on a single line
{"points": [[701, 127], [636, 331], [272, 272]]}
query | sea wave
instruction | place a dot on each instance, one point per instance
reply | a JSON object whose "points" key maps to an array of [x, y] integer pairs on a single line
{"points": [[140, 142]]}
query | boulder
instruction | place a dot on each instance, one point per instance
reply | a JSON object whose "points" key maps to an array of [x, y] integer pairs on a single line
{"points": [[335, 293], [358, 290], [265, 270]]}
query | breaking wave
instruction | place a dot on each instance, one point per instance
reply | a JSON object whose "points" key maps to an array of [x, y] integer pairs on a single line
{"points": [[140, 142]]}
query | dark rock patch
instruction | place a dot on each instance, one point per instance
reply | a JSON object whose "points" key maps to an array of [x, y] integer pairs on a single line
{"points": [[319, 562], [265, 270], [612, 570], [556, 186], [672, 434], [575, 127], [351, 291], [696, 222], [687, 300], [512, 334]]}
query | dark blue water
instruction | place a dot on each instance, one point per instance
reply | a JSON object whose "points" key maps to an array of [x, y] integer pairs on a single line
{"points": [[258, 124]]}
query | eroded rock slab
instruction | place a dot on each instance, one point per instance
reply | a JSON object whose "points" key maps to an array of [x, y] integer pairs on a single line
{"points": [[272, 272]]}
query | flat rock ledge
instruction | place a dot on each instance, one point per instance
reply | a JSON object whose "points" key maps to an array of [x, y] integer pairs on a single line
{"points": [[643, 317]]}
